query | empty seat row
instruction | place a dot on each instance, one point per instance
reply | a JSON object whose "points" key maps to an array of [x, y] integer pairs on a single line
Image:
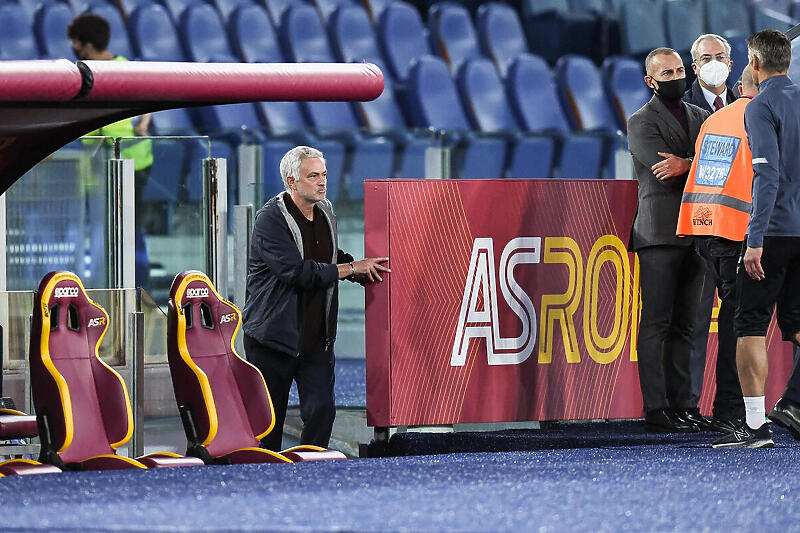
{"points": [[83, 412]]}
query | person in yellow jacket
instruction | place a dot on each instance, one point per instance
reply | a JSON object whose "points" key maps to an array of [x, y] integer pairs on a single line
{"points": [[715, 209], [90, 35]]}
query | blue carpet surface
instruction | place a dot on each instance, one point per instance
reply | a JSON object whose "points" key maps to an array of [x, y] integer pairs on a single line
{"points": [[350, 387], [674, 483]]}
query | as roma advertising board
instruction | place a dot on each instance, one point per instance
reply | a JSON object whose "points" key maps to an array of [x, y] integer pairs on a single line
{"points": [[508, 300]]}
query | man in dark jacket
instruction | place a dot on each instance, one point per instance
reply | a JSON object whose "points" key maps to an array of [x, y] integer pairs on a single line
{"points": [[292, 295], [661, 139]]}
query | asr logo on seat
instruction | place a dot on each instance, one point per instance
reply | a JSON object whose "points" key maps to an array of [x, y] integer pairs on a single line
{"points": [[230, 317], [99, 321], [201, 292], [65, 292]]}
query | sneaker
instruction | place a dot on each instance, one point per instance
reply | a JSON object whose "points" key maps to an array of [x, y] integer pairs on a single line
{"points": [[745, 437], [725, 425]]}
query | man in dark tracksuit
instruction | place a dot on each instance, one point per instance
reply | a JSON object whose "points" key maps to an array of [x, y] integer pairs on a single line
{"points": [[292, 295], [769, 271]]}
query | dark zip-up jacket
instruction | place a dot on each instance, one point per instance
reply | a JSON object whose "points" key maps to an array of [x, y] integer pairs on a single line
{"points": [[278, 274], [772, 121]]}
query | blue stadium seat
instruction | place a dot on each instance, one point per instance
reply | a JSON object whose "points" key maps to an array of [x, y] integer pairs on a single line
{"points": [[794, 10], [305, 40], [50, 26], [368, 156], [383, 116], [640, 30], [153, 34], [486, 104], [30, 7], [534, 97], [129, 6], [500, 33], [452, 34], [276, 8], [624, 83], [173, 122], [176, 7], [684, 22], [326, 8], [769, 19], [253, 36], [17, 40], [582, 95], [555, 29], [172, 158], [402, 35], [727, 18], [353, 36], [286, 128], [587, 106], [739, 57], [591, 6], [227, 7], [203, 35], [435, 103], [375, 9], [303, 36], [781, 6], [118, 44]]}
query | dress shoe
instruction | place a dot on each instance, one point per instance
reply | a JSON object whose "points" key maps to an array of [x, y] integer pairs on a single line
{"points": [[725, 425], [746, 437], [693, 416], [665, 421], [786, 414]]}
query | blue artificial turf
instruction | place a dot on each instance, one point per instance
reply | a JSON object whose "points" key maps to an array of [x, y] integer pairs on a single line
{"points": [[588, 479]]}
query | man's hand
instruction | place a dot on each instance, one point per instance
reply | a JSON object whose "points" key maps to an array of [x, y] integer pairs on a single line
{"points": [[368, 268], [752, 263], [670, 167]]}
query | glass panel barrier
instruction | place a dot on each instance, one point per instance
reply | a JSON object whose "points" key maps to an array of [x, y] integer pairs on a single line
{"points": [[169, 216], [56, 217]]}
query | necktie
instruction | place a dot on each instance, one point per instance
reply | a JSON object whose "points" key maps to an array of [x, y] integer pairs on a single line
{"points": [[718, 103]]}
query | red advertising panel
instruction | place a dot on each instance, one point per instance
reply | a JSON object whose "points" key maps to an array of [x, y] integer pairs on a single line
{"points": [[508, 300]]}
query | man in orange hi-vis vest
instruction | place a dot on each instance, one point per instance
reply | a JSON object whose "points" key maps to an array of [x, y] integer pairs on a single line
{"points": [[715, 209]]}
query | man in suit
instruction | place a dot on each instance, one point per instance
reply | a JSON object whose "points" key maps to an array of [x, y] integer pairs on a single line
{"points": [[711, 62], [661, 139]]}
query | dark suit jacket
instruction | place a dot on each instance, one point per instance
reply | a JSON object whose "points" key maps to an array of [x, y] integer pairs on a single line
{"points": [[695, 96], [654, 129]]}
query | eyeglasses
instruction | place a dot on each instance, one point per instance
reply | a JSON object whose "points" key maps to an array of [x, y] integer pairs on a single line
{"points": [[702, 60]]}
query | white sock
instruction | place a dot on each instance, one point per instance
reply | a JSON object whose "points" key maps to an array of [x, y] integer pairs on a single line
{"points": [[754, 411]]}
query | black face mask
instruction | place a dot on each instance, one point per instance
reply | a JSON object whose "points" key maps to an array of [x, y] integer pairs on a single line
{"points": [[672, 89]]}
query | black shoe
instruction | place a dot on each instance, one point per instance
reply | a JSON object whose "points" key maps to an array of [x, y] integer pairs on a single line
{"points": [[693, 416], [786, 414], [665, 421], [725, 425], [746, 437]]}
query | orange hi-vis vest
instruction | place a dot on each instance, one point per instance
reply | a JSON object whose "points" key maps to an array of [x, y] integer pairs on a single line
{"points": [[718, 195]]}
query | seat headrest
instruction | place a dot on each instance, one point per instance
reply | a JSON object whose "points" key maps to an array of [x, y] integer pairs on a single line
{"points": [[206, 315], [65, 307], [193, 286]]}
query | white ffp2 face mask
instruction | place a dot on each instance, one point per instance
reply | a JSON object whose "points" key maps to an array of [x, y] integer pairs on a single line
{"points": [[714, 73]]}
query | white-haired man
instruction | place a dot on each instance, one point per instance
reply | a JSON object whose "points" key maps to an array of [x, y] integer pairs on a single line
{"points": [[711, 63], [291, 303]]}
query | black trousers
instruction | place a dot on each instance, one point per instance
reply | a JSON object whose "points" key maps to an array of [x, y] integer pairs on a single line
{"points": [[671, 281], [792, 391], [314, 375], [721, 257]]}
